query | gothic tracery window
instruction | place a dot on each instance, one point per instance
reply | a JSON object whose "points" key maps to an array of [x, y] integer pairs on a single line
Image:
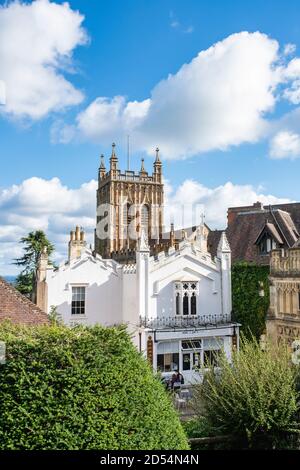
{"points": [[186, 294]]}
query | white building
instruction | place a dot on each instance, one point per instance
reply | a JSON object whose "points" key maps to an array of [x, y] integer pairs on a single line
{"points": [[177, 304]]}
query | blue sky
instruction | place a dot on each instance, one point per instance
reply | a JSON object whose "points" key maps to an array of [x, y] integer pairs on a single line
{"points": [[132, 46]]}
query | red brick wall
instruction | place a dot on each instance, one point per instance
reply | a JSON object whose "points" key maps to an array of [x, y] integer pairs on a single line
{"points": [[17, 308]]}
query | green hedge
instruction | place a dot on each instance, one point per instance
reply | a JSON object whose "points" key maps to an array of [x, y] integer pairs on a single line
{"points": [[81, 388], [249, 308]]}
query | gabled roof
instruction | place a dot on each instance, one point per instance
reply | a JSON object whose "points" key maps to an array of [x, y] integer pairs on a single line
{"points": [[273, 232], [247, 224], [287, 226], [17, 308]]}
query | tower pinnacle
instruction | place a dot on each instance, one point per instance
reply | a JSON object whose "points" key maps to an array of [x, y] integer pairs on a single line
{"points": [[157, 166], [102, 169]]}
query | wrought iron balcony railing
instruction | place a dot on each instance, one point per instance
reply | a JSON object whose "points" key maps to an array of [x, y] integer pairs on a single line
{"points": [[185, 322]]}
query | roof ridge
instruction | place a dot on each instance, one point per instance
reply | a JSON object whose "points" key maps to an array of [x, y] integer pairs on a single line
{"points": [[278, 225]]}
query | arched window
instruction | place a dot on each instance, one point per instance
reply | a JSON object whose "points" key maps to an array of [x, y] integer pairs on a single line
{"points": [[193, 304], [126, 220], [185, 304]]}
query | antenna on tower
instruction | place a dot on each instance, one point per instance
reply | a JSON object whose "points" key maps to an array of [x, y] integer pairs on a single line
{"points": [[128, 153]]}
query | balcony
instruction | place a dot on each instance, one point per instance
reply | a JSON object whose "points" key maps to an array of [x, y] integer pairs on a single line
{"points": [[285, 263], [211, 320]]}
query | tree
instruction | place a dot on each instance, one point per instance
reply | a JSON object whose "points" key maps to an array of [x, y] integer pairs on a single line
{"points": [[81, 388], [34, 243]]}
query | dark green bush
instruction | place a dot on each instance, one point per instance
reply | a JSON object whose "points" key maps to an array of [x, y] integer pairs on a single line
{"points": [[250, 308], [81, 388], [254, 399]]}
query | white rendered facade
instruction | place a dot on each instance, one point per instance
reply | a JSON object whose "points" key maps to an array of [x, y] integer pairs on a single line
{"points": [[177, 305]]}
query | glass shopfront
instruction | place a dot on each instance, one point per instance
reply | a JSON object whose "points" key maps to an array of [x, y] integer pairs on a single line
{"points": [[198, 352], [168, 356], [189, 355]]}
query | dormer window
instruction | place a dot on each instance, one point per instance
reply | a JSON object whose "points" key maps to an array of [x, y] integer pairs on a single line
{"points": [[186, 294], [266, 244], [269, 239]]}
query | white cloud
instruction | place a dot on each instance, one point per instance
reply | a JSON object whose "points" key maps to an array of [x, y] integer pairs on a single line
{"points": [[217, 100], [47, 205], [37, 41], [2, 93], [111, 117], [53, 207], [289, 49], [214, 202], [285, 144], [222, 98]]}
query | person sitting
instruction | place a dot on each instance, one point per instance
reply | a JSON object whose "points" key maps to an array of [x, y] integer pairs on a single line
{"points": [[177, 381]]}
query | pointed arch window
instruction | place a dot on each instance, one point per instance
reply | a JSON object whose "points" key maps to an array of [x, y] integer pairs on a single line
{"points": [[186, 298], [125, 220]]}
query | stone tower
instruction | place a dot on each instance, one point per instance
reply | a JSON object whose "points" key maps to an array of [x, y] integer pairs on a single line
{"points": [[128, 203]]}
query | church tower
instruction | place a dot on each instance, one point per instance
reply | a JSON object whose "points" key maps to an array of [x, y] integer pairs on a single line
{"points": [[128, 203]]}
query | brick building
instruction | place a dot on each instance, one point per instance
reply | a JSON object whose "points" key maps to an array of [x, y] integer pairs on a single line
{"points": [[253, 231], [17, 308]]}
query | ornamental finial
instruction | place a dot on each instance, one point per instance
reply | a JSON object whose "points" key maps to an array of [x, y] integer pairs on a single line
{"points": [[113, 152], [102, 164], [157, 159]]}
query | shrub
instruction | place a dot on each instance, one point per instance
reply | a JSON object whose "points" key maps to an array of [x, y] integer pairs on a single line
{"points": [[81, 388], [254, 398]]}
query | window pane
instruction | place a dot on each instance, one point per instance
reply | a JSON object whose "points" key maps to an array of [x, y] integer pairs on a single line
{"points": [[78, 301], [168, 362], [185, 305], [193, 305], [196, 360], [175, 365], [211, 357], [177, 304], [191, 344], [186, 361], [160, 362], [213, 343]]}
